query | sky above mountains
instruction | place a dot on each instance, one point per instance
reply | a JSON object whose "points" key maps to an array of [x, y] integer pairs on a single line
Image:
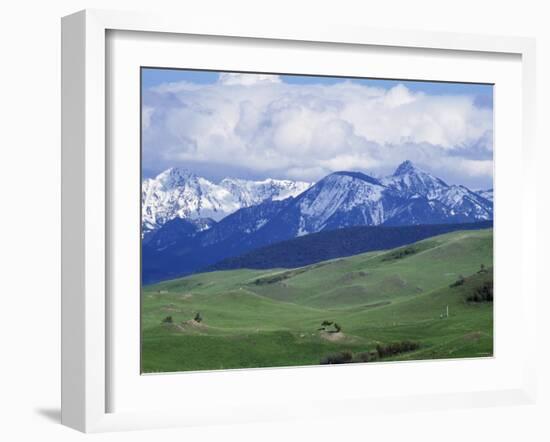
{"points": [[255, 126]]}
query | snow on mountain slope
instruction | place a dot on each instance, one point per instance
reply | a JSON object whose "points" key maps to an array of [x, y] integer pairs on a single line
{"points": [[463, 201], [487, 194], [456, 200], [250, 193], [178, 193], [337, 196], [409, 180]]}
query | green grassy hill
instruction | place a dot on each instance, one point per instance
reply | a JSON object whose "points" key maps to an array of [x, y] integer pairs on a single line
{"points": [[263, 318]]}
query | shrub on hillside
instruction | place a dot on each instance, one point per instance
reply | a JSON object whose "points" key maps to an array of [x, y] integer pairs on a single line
{"points": [[168, 320], [460, 281], [396, 348], [400, 254], [365, 356], [483, 293], [342, 357]]}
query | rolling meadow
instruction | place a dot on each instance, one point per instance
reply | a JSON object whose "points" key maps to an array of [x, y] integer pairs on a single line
{"points": [[429, 300]]}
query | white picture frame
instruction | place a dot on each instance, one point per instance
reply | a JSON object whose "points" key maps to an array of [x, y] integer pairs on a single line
{"points": [[86, 199]]}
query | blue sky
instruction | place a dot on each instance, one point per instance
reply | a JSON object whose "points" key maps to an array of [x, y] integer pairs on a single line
{"points": [[302, 127], [484, 92]]}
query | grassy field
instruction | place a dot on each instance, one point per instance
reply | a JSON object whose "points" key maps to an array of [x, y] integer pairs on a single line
{"points": [[269, 318]]}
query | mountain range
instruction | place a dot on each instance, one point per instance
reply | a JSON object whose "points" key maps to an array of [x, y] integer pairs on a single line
{"points": [[179, 193], [190, 223]]}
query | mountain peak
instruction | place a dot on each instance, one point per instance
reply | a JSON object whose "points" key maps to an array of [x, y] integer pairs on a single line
{"points": [[176, 172], [408, 180], [405, 167], [175, 176], [357, 175]]}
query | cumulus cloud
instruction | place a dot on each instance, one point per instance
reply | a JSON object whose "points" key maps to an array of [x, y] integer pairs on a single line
{"points": [[304, 131]]}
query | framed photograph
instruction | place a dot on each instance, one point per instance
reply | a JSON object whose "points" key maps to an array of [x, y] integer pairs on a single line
{"points": [[285, 224], [267, 221]]}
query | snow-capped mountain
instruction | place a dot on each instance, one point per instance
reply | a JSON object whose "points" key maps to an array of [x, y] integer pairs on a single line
{"points": [[457, 201], [408, 180], [409, 196], [341, 199], [179, 193], [345, 199]]}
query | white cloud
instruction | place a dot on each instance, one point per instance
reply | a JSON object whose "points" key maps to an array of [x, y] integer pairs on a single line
{"points": [[476, 168], [146, 113], [247, 79], [284, 130], [399, 96]]}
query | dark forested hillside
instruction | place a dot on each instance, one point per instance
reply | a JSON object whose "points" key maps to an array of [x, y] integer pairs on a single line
{"points": [[349, 241]]}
